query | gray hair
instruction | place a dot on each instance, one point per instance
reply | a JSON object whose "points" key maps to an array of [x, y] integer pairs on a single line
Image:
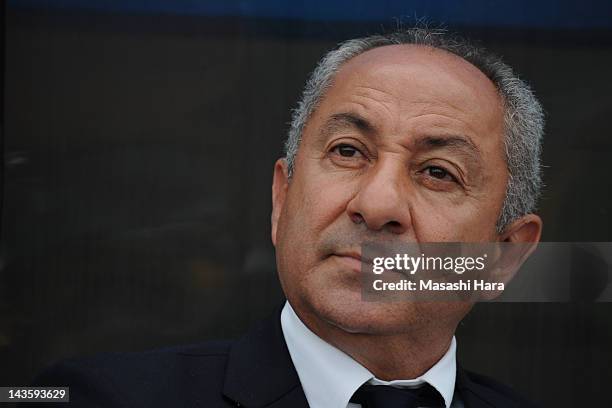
{"points": [[523, 114]]}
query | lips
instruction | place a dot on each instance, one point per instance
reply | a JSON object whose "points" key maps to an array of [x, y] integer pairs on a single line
{"points": [[354, 256]]}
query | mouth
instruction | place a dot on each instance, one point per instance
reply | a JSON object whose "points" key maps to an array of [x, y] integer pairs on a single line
{"points": [[353, 258]]}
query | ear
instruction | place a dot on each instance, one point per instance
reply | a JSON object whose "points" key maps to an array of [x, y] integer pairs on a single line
{"points": [[280, 183], [525, 231], [516, 243], [528, 228]]}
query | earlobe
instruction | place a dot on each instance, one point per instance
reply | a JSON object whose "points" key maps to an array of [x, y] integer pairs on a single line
{"points": [[280, 183], [528, 228]]}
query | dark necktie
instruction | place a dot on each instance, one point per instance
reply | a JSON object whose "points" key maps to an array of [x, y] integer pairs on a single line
{"points": [[385, 396]]}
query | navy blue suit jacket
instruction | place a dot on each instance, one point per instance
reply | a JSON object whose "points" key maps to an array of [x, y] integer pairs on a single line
{"points": [[254, 371]]}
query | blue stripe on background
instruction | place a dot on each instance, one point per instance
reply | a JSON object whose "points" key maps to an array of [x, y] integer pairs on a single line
{"points": [[478, 13]]}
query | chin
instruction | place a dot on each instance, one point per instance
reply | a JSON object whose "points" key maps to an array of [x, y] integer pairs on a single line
{"points": [[348, 312]]}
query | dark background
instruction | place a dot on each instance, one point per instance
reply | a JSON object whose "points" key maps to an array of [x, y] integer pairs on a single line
{"points": [[139, 141]]}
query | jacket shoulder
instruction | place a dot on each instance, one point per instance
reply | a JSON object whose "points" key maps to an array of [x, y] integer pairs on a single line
{"points": [[176, 376], [489, 391]]}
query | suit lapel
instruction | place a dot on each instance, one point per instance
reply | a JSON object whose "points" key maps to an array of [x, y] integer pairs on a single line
{"points": [[260, 372], [476, 395]]}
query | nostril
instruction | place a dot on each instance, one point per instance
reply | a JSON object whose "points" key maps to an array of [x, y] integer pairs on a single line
{"points": [[357, 218], [394, 226]]}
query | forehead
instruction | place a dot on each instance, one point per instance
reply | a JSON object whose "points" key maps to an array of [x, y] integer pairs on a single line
{"points": [[416, 80]]}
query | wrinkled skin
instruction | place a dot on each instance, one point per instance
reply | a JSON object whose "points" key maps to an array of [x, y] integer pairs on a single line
{"points": [[406, 145]]}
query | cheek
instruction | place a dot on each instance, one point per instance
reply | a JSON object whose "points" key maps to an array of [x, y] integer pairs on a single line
{"points": [[463, 217], [319, 198], [310, 209], [312, 205], [442, 221]]}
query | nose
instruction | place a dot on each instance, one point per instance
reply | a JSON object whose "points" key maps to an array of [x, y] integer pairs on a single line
{"points": [[383, 199]]}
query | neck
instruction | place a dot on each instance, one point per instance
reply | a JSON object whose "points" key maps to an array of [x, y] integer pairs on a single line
{"points": [[389, 357]]}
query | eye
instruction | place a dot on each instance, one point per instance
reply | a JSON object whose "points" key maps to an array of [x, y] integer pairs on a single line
{"points": [[440, 173], [346, 150]]}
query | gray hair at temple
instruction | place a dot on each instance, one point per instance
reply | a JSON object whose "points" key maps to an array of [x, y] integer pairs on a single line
{"points": [[523, 114]]}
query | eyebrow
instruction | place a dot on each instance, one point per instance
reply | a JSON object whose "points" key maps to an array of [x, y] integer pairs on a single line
{"points": [[349, 120], [346, 121], [457, 143]]}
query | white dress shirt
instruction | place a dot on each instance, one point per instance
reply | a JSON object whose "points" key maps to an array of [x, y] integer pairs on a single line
{"points": [[330, 377]]}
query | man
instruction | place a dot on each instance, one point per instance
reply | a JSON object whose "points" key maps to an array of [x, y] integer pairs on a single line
{"points": [[409, 137]]}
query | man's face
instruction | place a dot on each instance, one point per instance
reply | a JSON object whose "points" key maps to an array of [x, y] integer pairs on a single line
{"points": [[406, 145]]}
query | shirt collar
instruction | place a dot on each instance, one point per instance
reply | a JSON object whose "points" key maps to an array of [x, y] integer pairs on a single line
{"points": [[330, 377]]}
